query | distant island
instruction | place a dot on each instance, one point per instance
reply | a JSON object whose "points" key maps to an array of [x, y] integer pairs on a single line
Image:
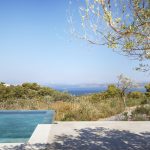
{"points": [[83, 89]]}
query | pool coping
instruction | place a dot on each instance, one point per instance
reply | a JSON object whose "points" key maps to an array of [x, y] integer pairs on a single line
{"points": [[40, 134], [40, 137]]}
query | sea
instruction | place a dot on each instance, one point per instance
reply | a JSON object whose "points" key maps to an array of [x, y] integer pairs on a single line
{"points": [[85, 90]]}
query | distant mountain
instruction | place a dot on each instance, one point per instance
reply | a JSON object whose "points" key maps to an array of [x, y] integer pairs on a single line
{"points": [[88, 85]]}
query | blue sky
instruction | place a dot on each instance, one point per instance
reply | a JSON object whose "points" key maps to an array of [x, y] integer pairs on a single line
{"points": [[36, 46]]}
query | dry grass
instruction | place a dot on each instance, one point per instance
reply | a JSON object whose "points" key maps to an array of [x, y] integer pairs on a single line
{"points": [[81, 109], [76, 110]]}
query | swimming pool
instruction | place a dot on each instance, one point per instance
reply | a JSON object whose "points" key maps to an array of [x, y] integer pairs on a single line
{"points": [[18, 126]]}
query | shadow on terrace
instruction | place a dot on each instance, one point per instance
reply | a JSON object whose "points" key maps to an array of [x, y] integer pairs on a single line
{"points": [[95, 139]]}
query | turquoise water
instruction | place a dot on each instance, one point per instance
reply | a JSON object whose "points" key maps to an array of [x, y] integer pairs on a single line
{"points": [[18, 126]]}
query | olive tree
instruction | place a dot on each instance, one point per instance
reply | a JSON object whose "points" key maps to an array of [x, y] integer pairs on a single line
{"points": [[125, 84], [123, 25]]}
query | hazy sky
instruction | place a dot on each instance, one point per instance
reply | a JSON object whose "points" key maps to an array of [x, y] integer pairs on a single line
{"points": [[36, 46]]}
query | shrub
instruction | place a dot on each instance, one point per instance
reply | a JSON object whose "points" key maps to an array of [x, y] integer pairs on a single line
{"points": [[67, 107], [147, 87], [147, 90], [135, 95], [113, 91], [141, 113], [142, 110], [147, 94]]}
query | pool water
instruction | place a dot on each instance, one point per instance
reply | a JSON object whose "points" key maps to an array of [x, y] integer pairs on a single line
{"points": [[18, 126]]}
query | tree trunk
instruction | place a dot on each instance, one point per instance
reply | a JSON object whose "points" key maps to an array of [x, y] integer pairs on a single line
{"points": [[124, 100]]}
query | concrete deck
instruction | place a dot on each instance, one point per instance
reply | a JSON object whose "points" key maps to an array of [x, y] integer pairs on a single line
{"points": [[41, 134], [100, 135], [94, 135]]}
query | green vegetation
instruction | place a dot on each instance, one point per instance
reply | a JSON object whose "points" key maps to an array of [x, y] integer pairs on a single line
{"points": [[126, 30], [141, 113], [31, 91], [147, 90], [31, 96]]}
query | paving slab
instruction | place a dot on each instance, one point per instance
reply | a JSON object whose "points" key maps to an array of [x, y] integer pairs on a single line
{"points": [[89, 135], [100, 135]]}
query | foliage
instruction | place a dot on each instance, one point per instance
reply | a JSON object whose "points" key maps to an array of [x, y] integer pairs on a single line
{"points": [[147, 87], [31, 91], [141, 113], [113, 91], [124, 84], [136, 101], [147, 90], [89, 107], [76, 110], [135, 95], [121, 25]]}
